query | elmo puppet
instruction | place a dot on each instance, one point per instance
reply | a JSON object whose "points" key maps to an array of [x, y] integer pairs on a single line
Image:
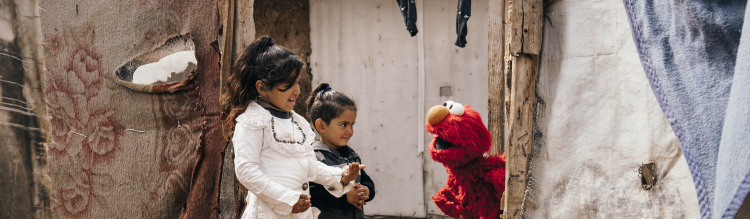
{"points": [[476, 181]]}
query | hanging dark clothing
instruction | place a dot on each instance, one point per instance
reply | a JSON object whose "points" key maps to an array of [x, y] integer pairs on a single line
{"points": [[409, 11], [331, 207], [462, 16]]}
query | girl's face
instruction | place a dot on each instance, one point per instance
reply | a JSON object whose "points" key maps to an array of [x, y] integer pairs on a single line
{"points": [[337, 133], [282, 96]]}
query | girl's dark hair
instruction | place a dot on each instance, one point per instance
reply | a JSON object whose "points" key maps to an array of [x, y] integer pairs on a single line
{"points": [[262, 61], [326, 104]]}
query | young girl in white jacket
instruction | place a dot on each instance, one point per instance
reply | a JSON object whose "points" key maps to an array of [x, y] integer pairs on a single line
{"points": [[274, 158]]}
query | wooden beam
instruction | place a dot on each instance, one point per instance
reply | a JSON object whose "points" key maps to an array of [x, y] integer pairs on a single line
{"points": [[495, 64], [226, 14], [244, 26], [230, 196], [515, 33], [521, 127], [237, 33], [244, 35], [525, 43], [526, 27], [532, 26]]}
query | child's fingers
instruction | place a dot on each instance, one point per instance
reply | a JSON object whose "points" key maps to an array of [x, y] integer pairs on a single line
{"points": [[302, 204], [304, 207], [352, 172], [355, 169], [356, 204], [363, 196], [356, 166]]}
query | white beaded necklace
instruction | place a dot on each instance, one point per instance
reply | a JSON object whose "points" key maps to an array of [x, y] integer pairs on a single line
{"points": [[273, 129]]}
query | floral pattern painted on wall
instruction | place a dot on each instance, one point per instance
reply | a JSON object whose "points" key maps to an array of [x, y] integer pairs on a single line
{"points": [[179, 147], [83, 128]]}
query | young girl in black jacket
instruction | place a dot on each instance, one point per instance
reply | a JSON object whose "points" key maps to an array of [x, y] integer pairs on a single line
{"points": [[333, 114]]}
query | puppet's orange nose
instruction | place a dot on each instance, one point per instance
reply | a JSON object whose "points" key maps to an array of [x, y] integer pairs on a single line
{"points": [[437, 114]]}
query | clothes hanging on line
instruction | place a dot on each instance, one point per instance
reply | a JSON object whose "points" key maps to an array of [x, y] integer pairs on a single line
{"points": [[462, 16], [463, 13], [409, 11]]}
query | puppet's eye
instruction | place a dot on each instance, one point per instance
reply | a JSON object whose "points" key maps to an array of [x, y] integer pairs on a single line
{"points": [[448, 104], [457, 109]]}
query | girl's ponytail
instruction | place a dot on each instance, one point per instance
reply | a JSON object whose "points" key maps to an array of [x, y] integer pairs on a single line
{"points": [[326, 104], [314, 95], [252, 51], [242, 72]]}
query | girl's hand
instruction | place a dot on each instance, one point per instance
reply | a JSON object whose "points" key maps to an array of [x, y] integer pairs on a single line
{"points": [[352, 174], [365, 193], [302, 204], [353, 197]]}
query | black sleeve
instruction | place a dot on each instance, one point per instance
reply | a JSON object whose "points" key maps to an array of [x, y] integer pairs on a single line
{"points": [[320, 198], [409, 11], [365, 180], [462, 16]]}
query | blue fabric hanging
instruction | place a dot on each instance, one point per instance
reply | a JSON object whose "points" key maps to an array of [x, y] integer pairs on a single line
{"points": [[733, 171], [689, 51]]}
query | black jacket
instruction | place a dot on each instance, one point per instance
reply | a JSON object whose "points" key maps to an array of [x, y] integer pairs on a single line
{"points": [[332, 207], [409, 11], [462, 16]]}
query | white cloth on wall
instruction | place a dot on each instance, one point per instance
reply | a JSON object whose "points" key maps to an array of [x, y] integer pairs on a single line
{"points": [[599, 122]]}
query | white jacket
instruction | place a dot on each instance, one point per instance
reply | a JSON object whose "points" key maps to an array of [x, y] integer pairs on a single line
{"points": [[274, 172]]}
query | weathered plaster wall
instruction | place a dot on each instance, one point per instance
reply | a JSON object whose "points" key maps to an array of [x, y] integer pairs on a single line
{"points": [[363, 49], [600, 121]]}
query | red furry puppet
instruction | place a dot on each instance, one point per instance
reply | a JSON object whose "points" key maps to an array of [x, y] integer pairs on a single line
{"points": [[476, 181]]}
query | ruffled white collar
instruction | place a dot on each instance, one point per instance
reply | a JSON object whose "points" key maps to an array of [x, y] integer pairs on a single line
{"points": [[258, 117]]}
